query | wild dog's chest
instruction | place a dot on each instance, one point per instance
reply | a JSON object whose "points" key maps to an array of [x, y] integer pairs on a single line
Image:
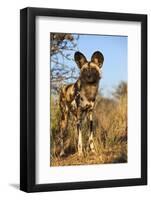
{"points": [[84, 98], [84, 105], [88, 92]]}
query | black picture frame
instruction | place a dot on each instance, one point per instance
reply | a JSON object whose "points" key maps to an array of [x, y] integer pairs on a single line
{"points": [[28, 99]]}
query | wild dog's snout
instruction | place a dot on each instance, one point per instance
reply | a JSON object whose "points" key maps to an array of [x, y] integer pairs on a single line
{"points": [[90, 75]]}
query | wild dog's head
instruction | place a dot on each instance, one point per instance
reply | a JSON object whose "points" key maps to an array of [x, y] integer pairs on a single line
{"points": [[89, 71]]}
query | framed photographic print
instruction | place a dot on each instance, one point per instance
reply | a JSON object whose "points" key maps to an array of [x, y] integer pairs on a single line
{"points": [[83, 99]]}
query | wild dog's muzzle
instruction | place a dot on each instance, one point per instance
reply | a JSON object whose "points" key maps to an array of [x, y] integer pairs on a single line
{"points": [[90, 75]]}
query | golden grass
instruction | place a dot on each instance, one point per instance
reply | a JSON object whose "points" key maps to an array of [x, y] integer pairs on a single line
{"points": [[117, 154]]}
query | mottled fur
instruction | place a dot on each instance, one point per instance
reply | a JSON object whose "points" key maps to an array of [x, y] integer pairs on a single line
{"points": [[79, 98]]}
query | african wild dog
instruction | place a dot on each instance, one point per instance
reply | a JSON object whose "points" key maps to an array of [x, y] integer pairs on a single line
{"points": [[79, 98]]}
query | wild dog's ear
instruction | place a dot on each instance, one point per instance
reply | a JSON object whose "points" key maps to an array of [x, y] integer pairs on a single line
{"points": [[80, 59], [97, 58]]}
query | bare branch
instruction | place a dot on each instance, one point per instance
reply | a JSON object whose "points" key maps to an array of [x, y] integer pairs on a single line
{"points": [[62, 45]]}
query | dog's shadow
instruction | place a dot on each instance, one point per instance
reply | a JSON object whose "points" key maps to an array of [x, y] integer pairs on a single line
{"points": [[15, 185]]}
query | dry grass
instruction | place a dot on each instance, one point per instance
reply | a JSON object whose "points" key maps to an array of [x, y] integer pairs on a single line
{"points": [[109, 155]]}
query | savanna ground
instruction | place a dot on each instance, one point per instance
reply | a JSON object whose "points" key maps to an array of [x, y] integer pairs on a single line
{"points": [[110, 132]]}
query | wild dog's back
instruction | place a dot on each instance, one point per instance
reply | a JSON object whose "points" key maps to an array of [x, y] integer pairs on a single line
{"points": [[67, 93]]}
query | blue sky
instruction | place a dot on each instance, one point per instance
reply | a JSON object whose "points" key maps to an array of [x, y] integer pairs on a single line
{"points": [[114, 49]]}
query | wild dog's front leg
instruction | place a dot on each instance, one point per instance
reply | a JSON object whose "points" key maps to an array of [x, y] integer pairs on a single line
{"points": [[63, 127], [79, 123], [79, 139], [91, 139]]}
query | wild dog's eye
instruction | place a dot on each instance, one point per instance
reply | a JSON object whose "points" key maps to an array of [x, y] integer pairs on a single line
{"points": [[81, 99]]}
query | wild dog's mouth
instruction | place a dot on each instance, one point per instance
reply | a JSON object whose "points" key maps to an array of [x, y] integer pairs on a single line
{"points": [[90, 75]]}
